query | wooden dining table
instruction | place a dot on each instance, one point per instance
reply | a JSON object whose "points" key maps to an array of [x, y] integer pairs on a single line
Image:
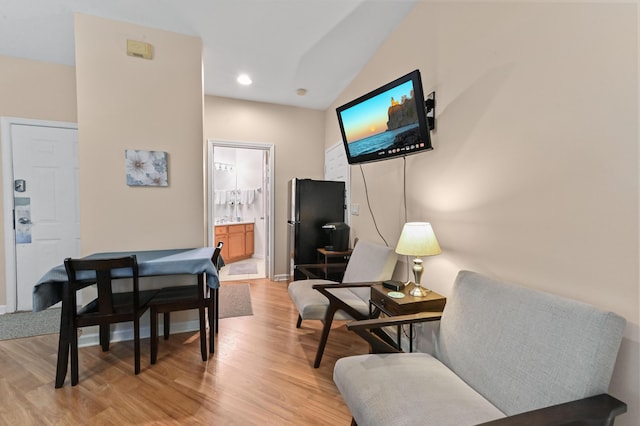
{"points": [[50, 288]]}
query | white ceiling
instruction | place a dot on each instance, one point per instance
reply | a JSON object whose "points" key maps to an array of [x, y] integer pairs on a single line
{"points": [[318, 45]]}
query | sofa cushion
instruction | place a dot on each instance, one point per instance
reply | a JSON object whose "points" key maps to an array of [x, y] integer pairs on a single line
{"points": [[408, 389], [523, 349]]}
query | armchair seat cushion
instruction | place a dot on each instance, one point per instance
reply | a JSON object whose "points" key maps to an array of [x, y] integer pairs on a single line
{"points": [[313, 305], [371, 384]]}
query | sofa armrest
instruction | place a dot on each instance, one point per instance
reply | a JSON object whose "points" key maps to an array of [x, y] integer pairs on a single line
{"points": [[596, 410], [336, 303], [342, 285]]}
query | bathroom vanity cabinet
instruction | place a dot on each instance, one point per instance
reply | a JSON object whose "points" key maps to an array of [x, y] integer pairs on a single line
{"points": [[237, 239]]}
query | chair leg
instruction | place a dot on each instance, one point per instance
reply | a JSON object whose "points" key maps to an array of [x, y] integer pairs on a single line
{"points": [[154, 335], [63, 344], [212, 321], [63, 362], [325, 334], [167, 325], [69, 297], [105, 330], [73, 347], [216, 292], [203, 333], [136, 343], [299, 322]]}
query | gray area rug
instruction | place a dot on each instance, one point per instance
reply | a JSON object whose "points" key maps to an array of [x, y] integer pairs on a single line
{"points": [[243, 268], [27, 324], [235, 301]]}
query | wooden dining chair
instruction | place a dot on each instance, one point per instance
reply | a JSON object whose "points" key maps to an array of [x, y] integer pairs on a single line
{"points": [[187, 297], [109, 307]]}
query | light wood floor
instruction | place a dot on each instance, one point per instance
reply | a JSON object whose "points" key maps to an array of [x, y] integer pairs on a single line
{"points": [[261, 373]]}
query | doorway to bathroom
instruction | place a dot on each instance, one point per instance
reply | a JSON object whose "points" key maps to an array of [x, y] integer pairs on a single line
{"points": [[240, 207]]}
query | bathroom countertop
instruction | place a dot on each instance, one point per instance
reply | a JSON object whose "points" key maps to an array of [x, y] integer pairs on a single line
{"points": [[242, 222]]}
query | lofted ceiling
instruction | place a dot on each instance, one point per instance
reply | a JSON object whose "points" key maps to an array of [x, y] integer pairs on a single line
{"points": [[284, 45]]}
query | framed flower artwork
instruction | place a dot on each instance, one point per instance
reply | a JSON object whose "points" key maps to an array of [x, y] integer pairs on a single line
{"points": [[146, 168]]}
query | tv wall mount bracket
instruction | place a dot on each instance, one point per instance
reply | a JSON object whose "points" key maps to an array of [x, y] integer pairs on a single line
{"points": [[430, 106]]}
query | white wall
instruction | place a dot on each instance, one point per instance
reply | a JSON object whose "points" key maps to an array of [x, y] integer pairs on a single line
{"points": [[534, 175], [126, 102]]}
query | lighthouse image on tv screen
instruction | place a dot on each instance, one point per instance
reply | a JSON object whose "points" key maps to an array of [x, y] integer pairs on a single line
{"points": [[385, 124]]}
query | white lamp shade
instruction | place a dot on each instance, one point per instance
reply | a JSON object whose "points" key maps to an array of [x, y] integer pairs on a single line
{"points": [[418, 239]]}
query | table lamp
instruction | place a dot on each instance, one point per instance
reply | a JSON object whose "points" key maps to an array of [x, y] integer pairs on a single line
{"points": [[417, 239]]}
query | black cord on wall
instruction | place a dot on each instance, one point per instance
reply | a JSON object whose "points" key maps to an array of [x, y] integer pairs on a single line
{"points": [[404, 186], [404, 197], [366, 192], [404, 200]]}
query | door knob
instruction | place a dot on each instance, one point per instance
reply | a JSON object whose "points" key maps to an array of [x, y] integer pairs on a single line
{"points": [[20, 185], [24, 221]]}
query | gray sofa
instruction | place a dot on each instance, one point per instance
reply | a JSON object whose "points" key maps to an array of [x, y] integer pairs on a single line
{"points": [[499, 350]]}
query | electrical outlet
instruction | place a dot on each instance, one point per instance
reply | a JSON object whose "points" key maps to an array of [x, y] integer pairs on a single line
{"points": [[355, 209]]}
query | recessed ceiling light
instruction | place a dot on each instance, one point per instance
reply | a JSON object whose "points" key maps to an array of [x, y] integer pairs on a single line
{"points": [[244, 79], [301, 91]]}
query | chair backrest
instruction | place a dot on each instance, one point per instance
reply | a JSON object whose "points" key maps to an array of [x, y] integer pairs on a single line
{"points": [[369, 262], [524, 349], [216, 259], [84, 272]]}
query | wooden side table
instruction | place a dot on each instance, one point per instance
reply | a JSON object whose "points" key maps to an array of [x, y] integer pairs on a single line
{"points": [[382, 302], [325, 255]]}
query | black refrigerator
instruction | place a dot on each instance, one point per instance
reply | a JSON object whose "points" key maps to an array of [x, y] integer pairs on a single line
{"points": [[311, 204]]}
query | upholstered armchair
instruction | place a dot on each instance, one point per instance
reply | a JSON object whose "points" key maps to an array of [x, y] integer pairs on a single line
{"points": [[324, 300]]}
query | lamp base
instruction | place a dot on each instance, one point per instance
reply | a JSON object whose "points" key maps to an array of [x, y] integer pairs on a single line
{"points": [[418, 291]]}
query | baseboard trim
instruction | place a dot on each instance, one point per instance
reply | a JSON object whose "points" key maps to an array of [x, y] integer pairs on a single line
{"points": [[3, 309], [125, 333], [281, 277]]}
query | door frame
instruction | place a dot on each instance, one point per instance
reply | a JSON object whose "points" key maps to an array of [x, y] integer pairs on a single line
{"points": [[8, 202], [270, 149]]}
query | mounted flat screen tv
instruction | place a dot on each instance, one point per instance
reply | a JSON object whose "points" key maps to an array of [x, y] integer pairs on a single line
{"points": [[387, 122]]}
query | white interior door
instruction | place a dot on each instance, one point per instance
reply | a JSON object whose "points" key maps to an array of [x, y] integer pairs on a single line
{"points": [[336, 167], [46, 202]]}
